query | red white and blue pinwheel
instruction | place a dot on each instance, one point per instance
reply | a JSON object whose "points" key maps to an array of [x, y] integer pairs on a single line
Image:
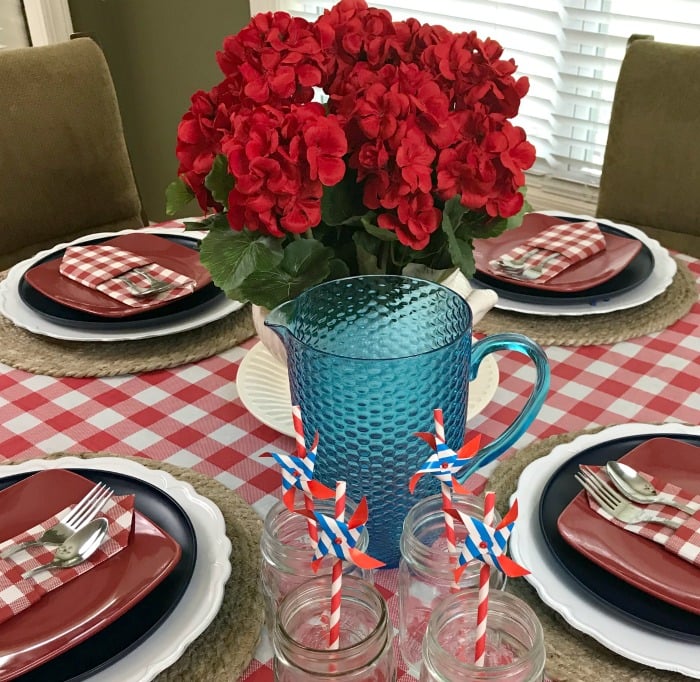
{"points": [[339, 538], [488, 544], [297, 474], [444, 463]]}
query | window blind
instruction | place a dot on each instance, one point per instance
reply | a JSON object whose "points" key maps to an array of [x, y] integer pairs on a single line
{"points": [[571, 50]]}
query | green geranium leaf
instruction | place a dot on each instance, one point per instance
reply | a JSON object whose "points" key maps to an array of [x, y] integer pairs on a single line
{"points": [[210, 222], [339, 269], [340, 203], [177, 196], [378, 232], [218, 181], [306, 262], [232, 256], [460, 249], [453, 213]]}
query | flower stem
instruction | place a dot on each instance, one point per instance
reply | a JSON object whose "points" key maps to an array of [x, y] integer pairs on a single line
{"points": [[384, 257]]}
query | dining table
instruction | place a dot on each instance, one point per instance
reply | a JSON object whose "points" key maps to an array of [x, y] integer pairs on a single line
{"points": [[191, 416]]}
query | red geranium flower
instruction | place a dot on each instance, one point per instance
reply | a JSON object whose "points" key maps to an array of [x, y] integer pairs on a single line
{"points": [[414, 116]]}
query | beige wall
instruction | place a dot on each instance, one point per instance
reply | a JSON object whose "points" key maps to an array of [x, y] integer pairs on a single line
{"points": [[159, 52]]}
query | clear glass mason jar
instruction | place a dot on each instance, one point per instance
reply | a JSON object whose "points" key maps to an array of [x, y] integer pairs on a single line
{"points": [[426, 575], [286, 553], [301, 633], [514, 641]]}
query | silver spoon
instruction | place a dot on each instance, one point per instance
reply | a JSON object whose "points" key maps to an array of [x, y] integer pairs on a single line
{"points": [[636, 488], [533, 271], [77, 548]]}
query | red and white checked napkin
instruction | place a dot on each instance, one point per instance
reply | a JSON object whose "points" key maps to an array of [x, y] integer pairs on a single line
{"points": [[17, 593], [96, 266], [684, 542], [573, 242]]}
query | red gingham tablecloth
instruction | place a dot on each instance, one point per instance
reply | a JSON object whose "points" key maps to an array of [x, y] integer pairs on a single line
{"points": [[191, 416]]}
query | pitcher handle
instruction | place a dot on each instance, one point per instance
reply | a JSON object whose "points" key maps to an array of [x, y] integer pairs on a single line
{"points": [[521, 344]]}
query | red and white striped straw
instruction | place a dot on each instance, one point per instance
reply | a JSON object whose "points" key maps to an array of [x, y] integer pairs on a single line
{"points": [[301, 452], [337, 573], [446, 491], [482, 610], [298, 430]]}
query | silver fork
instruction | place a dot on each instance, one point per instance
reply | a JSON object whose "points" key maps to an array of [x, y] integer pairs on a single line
{"points": [[83, 512], [155, 286], [616, 505]]}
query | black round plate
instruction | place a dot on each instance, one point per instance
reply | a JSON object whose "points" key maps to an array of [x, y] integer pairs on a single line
{"points": [[629, 601], [69, 317], [638, 270], [133, 627]]}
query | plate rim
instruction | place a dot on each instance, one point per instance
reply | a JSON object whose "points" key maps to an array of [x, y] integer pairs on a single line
{"points": [[14, 309], [562, 594], [660, 279], [259, 353], [173, 562], [212, 569]]}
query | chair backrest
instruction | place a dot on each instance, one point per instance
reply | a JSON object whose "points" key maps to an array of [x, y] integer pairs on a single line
{"points": [[64, 165], [651, 168]]}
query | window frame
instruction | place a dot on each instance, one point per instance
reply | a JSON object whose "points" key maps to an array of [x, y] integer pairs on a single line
{"points": [[48, 21]]}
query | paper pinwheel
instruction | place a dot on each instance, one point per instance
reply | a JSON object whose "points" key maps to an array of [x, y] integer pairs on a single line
{"points": [[488, 544], [297, 474], [444, 463], [338, 538]]}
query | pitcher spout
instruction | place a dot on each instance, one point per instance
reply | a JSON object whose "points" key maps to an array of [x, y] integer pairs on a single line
{"points": [[279, 320]]}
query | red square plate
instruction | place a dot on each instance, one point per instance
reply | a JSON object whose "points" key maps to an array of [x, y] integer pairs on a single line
{"points": [[79, 609], [47, 279], [636, 560], [618, 253]]}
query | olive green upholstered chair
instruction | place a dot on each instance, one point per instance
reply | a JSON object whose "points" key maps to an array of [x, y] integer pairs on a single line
{"points": [[64, 166], [651, 168]]}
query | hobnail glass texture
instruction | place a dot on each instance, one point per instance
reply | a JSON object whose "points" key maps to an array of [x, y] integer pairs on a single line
{"points": [[370, 359]]}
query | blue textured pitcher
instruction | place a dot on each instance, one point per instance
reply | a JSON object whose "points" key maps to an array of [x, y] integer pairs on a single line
{"points": [[369, 359]]}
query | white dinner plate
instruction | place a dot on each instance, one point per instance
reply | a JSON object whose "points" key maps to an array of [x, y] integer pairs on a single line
{"points": [[205, 592], [263, 387], [562, 593], [20, 314], [659, 280]]}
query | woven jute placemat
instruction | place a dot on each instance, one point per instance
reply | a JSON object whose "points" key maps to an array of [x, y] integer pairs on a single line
{"points": [[621, 325], [572, 656], [224, 650], [43, 355]]}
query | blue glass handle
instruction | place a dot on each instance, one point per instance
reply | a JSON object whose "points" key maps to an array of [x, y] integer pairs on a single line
{"points": [[520, 344]]}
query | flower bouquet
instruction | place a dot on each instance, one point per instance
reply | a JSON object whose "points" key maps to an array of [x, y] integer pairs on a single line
{"points": [[353, 144]]}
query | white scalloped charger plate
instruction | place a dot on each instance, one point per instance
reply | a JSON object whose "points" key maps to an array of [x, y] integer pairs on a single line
{"points": [[205, 592], [13, 308], [562, 593], [659, 280], [263, 387]]}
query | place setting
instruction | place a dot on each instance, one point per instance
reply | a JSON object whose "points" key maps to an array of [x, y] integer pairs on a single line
{"points": [[141, 555], [101, 305], [555, 268], [609, 530]]}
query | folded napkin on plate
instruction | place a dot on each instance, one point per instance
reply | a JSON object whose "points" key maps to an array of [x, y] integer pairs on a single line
{"points": [[97, 266], [17, 593], [684, 542], [573, 242]]}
